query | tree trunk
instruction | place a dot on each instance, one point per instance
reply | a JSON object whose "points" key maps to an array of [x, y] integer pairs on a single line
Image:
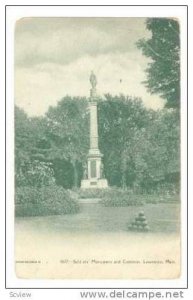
{"points": [[124, 171], [123, 180], [75, 183]]}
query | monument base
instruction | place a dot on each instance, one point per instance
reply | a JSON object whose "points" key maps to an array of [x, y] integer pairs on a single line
{"points": [[94, 183]]}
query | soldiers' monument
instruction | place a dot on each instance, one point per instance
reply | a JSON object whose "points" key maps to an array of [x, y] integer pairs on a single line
{"points": [[94, 169]]}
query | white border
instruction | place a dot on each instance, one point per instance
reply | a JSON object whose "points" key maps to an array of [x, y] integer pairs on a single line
{"points": [[16, 12]]}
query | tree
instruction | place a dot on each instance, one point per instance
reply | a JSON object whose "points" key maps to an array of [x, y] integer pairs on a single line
{"points": [[120, 118], [163, 72], [22, 133], [31, 168], [157, 151], [140, 146], [68, 134]]}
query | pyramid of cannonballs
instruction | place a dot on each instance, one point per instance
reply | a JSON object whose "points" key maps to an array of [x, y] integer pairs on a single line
{"points": [[140, 223]]}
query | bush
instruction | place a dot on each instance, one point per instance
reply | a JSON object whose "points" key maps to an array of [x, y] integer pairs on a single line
{"points": [[110, 196], [161, 198], [35, 173], [48, 200], [119, 197], [91, 193]]}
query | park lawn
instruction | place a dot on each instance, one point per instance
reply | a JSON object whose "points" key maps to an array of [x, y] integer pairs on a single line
{"points": [[161, 217], [100, 233]]}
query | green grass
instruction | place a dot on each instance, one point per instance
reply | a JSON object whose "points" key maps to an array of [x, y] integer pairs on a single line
{"points": [[161, 217], [119, 197]]}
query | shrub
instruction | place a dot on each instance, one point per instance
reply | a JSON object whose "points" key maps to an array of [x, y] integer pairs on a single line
{"points": [[111, 196], [119, 197], [48, 200], [35, 173], [169, 198], [26, 194], [91, 193], [161, 198]]}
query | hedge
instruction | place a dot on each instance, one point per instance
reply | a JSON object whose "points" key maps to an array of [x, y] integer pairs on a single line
{"points": [[48, 200]]}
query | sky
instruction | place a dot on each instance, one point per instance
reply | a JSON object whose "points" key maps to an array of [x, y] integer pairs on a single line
{"points": [[54, 58]]}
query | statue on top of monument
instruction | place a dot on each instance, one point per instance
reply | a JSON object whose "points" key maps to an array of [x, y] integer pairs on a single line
{"points": [[93, 80]]}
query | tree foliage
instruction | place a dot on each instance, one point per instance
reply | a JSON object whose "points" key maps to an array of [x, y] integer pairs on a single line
{"points": [[31, 167], [157, 151], [67, 131], [119, 119], [140, 146], [163, 72]]}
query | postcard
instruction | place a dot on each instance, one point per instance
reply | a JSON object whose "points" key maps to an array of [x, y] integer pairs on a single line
{"points": [[97, 148]]}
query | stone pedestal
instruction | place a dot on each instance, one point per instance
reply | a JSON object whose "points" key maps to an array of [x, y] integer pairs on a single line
{"points": [[92, 183], [94, 169]]}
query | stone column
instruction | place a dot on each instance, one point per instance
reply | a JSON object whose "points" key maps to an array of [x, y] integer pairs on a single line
{"points": [[94, 158], [93, 126]]}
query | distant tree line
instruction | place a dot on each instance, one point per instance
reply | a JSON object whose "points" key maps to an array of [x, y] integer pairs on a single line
{"points": [[140, 146]]}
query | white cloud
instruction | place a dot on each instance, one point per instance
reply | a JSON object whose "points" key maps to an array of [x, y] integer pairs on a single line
{"points": [[43, 85], [54, 57], [63, 40]]}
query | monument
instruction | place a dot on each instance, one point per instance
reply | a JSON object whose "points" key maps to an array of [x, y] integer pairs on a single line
{"points": [[94, 169]]}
